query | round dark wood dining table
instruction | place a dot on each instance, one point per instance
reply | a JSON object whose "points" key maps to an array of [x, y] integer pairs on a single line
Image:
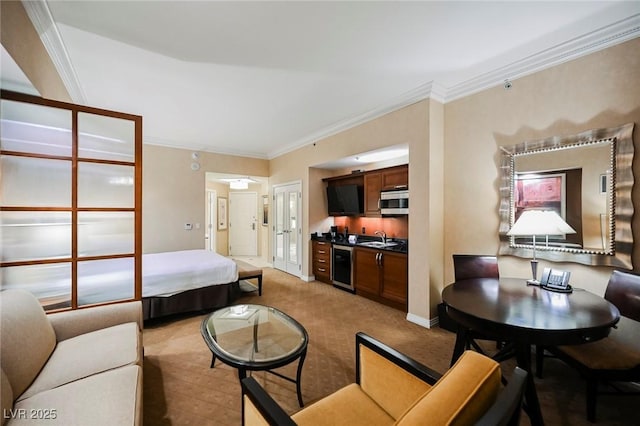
{"points": [[525, 315]]}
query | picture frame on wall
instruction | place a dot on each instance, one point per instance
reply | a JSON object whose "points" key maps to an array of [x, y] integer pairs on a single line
{"points": [[222, 213], [265, 210]]}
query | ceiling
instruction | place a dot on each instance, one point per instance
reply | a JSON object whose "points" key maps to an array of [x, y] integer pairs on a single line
{"points": [[262, 78]]}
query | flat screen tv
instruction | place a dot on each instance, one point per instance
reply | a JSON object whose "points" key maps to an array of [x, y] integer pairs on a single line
{"points": [[345, 200]]}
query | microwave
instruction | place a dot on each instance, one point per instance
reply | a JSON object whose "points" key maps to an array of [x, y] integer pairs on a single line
{"points": [[394, 202]]}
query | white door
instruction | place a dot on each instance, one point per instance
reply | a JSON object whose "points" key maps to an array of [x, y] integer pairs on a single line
{"points": [[287, 252], [243, 219], [212, 219]]}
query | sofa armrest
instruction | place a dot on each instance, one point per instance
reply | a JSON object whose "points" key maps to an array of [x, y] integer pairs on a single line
{"points": [[69, 324], [258, 408]]}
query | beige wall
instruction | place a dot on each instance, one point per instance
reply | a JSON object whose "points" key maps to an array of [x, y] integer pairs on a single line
{"points": [[595, 91], [173, 194]]}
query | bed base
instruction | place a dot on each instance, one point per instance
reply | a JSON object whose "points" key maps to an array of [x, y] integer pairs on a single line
{"points": [[199, 299]]}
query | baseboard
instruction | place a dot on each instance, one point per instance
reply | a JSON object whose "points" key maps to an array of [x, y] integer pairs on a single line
{"points": [[424, 322], [308, 278]]}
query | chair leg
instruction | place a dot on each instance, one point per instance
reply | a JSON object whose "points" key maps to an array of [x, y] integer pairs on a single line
{"points": [[592, 392]]}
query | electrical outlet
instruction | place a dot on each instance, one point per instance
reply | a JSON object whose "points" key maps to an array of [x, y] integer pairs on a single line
{"points": [[188, 227]]}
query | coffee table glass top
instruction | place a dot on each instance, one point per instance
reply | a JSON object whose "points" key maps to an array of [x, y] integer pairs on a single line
{"points": [[254, 334]]}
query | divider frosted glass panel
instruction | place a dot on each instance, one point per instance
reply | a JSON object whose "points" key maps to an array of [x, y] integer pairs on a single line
{"points": [[105, 185], [51, 283], [105, 280], [35, 182], [35, 128], [33, 235], [105, 138], [104, 233]]}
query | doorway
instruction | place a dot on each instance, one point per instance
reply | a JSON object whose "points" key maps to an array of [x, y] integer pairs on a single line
{"points": [[243, 219], [287, 228]]}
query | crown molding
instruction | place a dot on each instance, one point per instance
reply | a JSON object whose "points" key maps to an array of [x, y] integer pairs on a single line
{"points": [[431, 90], [594, 41], [42, 20], [169, 143]]}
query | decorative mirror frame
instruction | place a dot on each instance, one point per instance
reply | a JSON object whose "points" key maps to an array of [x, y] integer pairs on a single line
{"points": [[621, 213]]}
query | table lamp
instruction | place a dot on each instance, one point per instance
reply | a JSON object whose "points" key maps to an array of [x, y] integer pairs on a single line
{"points": [[539, 222]]}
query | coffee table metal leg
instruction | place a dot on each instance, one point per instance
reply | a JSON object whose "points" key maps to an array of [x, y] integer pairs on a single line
{"points": [[213, 360], [298, 375]]}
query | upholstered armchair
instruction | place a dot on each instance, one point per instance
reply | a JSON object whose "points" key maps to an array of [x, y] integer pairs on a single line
{"points": [[393, 389]]}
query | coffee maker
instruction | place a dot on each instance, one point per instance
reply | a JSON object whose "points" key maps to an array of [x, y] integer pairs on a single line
{"points": [[334, 232]]}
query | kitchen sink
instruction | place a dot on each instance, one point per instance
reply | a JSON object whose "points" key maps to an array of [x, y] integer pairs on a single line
{"points": [[377, 244]]}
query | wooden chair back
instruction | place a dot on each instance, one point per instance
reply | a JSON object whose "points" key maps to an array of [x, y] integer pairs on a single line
{"points": [[467, 266], [623, 290]]}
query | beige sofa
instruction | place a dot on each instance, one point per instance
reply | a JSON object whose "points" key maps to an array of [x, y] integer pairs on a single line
{"points": [[81, 367]]}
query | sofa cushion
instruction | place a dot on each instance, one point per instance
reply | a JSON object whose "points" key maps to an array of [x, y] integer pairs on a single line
{"points": [[108, 399], [88, 354], [461, 396], [392, 387], [27, 338], [6, 395], [347, 406]]}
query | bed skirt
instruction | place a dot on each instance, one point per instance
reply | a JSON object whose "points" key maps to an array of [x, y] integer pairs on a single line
{"points": [[199, 299]]}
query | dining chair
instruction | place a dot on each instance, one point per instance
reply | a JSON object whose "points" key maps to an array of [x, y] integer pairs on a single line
{"points": [[615, 358], [469, 266]]}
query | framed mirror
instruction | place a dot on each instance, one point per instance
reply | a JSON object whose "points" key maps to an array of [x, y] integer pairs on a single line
{"points": [[587, 179]]}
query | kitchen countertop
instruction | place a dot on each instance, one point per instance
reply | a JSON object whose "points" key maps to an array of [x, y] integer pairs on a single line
{"points": [[341, 240]]}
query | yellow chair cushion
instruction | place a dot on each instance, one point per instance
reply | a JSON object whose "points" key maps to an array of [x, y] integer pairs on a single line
{"points": [[346, 407], [460, 397], [392, 387], [251, 414]]}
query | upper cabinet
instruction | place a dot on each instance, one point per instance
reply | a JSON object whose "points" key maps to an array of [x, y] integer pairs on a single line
{"points": [[370, 184], [382, 180]]}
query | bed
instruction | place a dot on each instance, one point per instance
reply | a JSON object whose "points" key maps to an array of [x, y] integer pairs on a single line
{"points": [[172, 282]]}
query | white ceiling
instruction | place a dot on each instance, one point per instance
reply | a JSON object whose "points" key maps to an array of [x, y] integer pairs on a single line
{"points": [[262, 78]]}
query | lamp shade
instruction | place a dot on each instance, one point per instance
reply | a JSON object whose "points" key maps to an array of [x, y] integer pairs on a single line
{"points": [[540, 222]]}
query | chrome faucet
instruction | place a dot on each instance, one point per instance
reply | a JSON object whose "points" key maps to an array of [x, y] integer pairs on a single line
{"points": [[383, 236]]}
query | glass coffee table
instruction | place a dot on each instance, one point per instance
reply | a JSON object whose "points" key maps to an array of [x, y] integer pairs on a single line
{"points": [[256, 338]]}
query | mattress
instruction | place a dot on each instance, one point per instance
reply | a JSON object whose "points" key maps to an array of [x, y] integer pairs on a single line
{"points": [[163, 275]]}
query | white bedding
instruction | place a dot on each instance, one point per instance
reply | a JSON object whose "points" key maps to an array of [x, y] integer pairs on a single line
{"points": [[163, 274]]}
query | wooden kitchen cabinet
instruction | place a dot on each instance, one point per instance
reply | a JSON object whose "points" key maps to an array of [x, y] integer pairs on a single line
{"points": [[372, 187], [321, 258], [381, 276], [379, 180]]}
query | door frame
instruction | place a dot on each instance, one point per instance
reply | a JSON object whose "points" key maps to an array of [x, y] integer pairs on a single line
{"points": [[300, 248], [212, 219]]}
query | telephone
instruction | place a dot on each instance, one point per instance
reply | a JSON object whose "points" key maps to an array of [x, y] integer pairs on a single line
{"points": [[556, 280]]}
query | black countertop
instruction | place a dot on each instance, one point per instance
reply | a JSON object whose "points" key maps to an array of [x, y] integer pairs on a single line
{"points": [[341, 240]]}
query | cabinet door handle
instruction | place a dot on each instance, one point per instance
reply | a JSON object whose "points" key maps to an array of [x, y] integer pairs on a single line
{"points": [[322, 261], [321, 251], [322, 270]]}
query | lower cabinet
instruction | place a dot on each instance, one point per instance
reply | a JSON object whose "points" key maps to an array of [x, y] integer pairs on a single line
{"points": [[381, 276], [322, 261]]}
